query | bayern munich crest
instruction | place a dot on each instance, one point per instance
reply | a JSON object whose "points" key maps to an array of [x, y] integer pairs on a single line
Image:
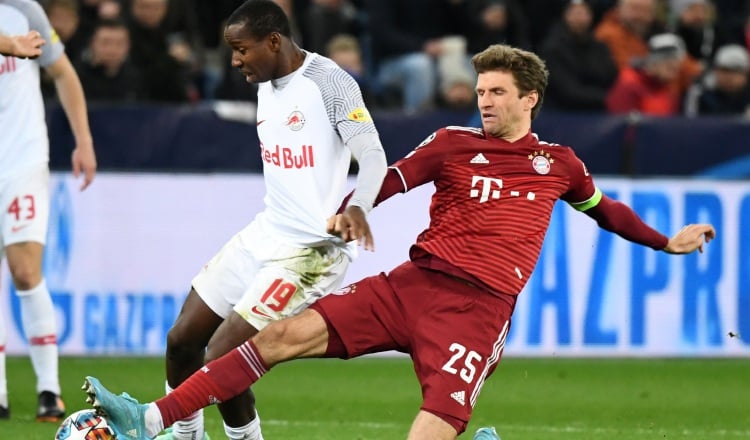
{"points": [[541, 161], [346, 290]]}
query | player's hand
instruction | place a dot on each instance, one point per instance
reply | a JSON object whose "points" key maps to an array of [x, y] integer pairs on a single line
{"points": [[352, 225], [27, 46], [690, 238], [84, 161]]}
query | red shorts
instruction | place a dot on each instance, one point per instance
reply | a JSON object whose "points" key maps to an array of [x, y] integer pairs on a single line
{"points": [[455, 332]]}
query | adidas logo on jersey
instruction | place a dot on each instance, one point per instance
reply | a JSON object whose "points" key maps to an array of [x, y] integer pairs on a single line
{"points": [[479, 158], [459, 396]]}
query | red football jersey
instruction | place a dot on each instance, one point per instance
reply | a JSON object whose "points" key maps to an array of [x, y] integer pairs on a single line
{"points": [[493, 200]]}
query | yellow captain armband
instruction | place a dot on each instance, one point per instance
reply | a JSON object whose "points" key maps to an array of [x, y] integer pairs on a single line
{"points": [[590, 203]]}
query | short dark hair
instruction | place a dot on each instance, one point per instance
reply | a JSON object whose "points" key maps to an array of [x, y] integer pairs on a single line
{"points": [[261, 18], [528, 70]]}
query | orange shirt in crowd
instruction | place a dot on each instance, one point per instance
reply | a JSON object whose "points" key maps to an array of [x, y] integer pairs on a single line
{"points": [[635, 91]]}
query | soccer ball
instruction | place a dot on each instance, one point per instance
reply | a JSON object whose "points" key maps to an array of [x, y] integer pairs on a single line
{"points": [[85, 424]]}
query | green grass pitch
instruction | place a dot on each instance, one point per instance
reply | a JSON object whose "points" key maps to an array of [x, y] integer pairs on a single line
{"points": [[376, 398]]}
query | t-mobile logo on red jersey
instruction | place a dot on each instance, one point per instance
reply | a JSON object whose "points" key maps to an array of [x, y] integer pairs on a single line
{"points": [[490, 188], [7, 66], [286, 157]]}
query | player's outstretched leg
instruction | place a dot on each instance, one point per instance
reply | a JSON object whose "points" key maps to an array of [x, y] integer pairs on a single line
{"points": [[125, 415], [487, 433]]}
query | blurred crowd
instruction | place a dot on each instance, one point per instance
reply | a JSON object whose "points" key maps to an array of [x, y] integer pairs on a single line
{"points": [[657, 57]]}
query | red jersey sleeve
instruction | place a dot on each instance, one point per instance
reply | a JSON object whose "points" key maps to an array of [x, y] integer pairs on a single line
{"points": [[582, 194], [421, 165], [609, 214], [424, 163]]}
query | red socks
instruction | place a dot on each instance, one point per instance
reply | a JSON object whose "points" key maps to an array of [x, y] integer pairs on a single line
{"points": [[216, 382]]}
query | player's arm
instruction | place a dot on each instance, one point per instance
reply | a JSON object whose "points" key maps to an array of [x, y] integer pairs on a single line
{"points": [[73, 102], [368, 151], [617, 217], [351, 224], [418, 167], [22, 46]]}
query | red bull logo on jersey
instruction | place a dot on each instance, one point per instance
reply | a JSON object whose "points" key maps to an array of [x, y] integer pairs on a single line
{"points": [[295, 121], [8, 65], [285, 157]]}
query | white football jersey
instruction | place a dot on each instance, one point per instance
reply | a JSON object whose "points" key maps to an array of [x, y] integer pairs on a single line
{"points": [[303, 127], [23, 139]]}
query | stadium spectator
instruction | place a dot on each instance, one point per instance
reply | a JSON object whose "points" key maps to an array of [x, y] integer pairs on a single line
{"points": [[25, 192], [545, 14], [581, 67], [725, 90], [162, 63], [186, 44], [345, 51], [732, 22], [497, 21], [28, 45], [626, 28], [325, 19], [64, 17], [105, 70], [450, 305], [456, 83], [407, 38], [694, 23], [210, 18], [311, 120], [288, 6], [90, 12], [652, 85]]}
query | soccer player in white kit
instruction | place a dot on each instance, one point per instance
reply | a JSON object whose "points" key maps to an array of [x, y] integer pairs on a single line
{"points": [[311, 119], [24, 188]]}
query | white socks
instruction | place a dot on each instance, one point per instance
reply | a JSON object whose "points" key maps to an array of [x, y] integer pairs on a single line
{"points": [[189, 428], [39, 324], [251, 431], [153, 421]]}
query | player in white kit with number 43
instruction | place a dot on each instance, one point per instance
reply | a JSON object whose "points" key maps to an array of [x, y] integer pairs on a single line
{"points": [[24, 184], [311, 119]]}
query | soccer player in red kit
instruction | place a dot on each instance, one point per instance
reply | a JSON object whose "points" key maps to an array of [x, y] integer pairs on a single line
{"points": [[450, 305]]}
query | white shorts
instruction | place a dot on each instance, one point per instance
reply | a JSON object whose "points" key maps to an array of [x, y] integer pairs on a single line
{"points": [[264, 279], [24, 200]]}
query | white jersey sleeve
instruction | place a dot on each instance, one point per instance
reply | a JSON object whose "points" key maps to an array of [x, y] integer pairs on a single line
{"points": [[350, 118], [346, 108]]}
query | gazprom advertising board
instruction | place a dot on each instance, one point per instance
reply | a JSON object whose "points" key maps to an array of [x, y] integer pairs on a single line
{"points": [[120, 257]]}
